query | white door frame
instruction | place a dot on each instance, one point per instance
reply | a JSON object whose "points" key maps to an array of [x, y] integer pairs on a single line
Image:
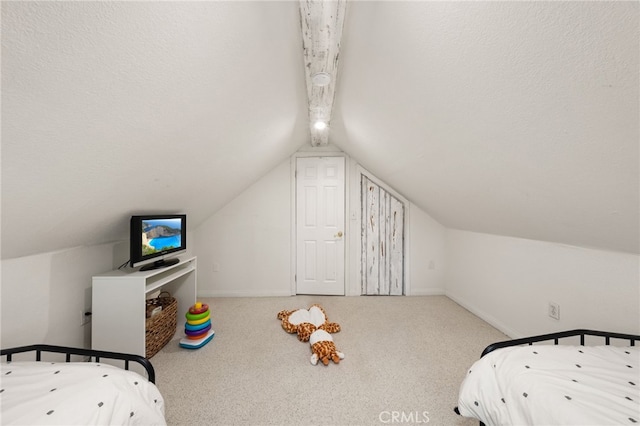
{"points": [[347, 224], [353, 222]]}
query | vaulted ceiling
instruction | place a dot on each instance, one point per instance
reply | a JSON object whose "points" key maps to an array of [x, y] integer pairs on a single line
{"points": [[510, 118]]}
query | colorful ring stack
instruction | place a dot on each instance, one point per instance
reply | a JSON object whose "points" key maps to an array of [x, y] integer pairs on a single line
{"points": [[198, 321], [198, 326]]}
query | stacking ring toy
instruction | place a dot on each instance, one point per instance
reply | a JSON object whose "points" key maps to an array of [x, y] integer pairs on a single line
{"points": [[197, 327], [190, 327], [198, 332], [198, 337], [195, 317], [200, 321], [198, 308]]}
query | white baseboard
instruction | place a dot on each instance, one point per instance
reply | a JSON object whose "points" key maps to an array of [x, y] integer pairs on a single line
{"points": [[421, 292], [240, 294], [433, 291], [513, 334]]}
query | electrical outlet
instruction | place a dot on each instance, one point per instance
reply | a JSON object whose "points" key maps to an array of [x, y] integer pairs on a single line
{"points": [[554, 310], [84, 318]]}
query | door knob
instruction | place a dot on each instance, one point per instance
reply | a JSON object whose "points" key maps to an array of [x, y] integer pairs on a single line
{"points": [[339, 234]]}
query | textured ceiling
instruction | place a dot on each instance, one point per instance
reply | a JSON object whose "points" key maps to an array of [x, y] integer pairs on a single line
{"points": [[511, 118], [112, 108]]}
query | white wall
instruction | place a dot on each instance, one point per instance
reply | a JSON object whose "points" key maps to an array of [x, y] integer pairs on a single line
{"points": [[506, 281], [427, 261], [43, 295], [244, 249], [509, 282]]}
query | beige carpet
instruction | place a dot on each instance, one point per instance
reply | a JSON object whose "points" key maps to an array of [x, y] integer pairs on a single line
{"points": [[404, 360]]}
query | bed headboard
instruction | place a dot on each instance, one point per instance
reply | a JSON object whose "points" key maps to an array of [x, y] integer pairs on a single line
{"points": [[95, 354], [632, 338]]}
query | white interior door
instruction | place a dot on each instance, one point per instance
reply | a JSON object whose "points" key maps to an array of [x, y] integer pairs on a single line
{"points": [[320, 225]]}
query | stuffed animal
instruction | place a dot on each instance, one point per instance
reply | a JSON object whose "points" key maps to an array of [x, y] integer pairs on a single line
{"points": [[313, 326], [304, 322], [323, 348]]}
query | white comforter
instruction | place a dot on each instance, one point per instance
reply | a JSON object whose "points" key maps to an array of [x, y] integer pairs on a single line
{"points": [[77, 393], [554, 385]]}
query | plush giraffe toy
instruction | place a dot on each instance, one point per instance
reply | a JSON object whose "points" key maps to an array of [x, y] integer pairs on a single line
{"points": [[313, 326]]}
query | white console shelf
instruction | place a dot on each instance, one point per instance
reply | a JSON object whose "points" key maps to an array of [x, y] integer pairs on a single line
{"points": [[118, 306]]}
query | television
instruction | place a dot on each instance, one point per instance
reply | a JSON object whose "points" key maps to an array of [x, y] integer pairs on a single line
{"points": [[156, 240]]}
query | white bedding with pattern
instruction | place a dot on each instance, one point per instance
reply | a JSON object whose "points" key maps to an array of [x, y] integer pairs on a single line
{"points": [[77, 393], [554, 385]]}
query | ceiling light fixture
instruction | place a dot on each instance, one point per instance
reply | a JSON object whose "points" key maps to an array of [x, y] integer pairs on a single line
{"points": [[321, 79], [320, 125]]}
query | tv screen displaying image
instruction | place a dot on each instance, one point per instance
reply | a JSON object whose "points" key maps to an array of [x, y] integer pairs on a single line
{"points": [[157, 239], [161, 235]]}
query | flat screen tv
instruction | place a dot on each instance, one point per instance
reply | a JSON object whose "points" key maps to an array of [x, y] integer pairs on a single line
{"points": [[156, 240]]}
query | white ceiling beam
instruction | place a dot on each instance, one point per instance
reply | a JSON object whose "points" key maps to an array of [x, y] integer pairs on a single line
{"points": [[322, 23]]}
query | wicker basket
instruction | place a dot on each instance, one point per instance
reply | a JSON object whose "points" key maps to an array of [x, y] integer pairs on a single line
{"points": [[161, 327]]}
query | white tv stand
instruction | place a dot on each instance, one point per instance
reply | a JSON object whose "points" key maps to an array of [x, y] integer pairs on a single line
{"points": [[118, 303]]}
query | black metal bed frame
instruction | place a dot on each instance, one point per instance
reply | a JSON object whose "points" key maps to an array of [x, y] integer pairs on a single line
{"points": [[91, 353], [632, 338]]}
